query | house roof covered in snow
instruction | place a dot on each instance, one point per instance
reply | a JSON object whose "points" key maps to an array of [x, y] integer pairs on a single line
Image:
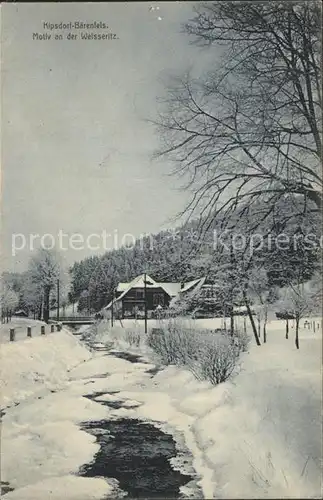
{"points": [[172, 289], [191, 284], [122, 287]]}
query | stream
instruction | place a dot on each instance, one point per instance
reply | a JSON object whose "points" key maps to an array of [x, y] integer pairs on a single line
{"points": [[134, 452], [137, 454]]}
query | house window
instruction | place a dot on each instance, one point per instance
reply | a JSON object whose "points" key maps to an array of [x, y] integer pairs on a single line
{"points": [[140, 294], [158, 299]]}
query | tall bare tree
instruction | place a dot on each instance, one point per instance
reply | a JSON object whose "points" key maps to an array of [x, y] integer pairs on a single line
{"points": [[250, 127]]}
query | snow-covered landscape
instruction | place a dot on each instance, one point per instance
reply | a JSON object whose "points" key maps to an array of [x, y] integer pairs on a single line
{"points": [[161, 250], [254, 436]]}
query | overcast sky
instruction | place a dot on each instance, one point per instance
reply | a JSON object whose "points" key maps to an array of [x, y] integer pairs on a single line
{"points": [[75, 148]]}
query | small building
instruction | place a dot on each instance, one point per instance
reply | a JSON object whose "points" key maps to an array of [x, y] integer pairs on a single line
{"points": [[130, 297]]}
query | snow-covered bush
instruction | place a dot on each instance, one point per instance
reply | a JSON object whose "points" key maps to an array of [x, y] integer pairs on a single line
{"points": [[208, 355], [173, 344], [241, 341], [133, 337], [217, 363]]}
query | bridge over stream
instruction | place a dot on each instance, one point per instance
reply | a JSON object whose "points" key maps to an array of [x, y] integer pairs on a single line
{"points": [[75, 321]]}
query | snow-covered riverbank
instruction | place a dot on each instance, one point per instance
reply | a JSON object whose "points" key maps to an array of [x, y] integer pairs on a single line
{"points": [[256, 436]]}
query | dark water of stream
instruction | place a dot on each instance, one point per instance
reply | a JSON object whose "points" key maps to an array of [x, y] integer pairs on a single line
{"points": [[137, 455]]}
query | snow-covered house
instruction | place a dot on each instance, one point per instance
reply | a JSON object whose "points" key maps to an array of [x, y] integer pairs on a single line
{"points": [[130, 297]]}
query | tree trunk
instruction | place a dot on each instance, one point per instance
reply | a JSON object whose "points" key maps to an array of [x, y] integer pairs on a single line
{"points": [[231, 321], [46, 303], [296, 333], [254, 329], [287, 329], [224, 322], [265, 327], [231, 290], [259, 326], [314, 195]]}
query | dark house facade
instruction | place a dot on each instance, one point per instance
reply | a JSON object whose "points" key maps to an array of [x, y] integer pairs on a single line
{"points": [[133, 302], [129, 300]]}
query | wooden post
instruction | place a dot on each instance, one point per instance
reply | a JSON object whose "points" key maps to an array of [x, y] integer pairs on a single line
{"points": [[12, 335], [28, 331], [42, 330], [52, 328]]}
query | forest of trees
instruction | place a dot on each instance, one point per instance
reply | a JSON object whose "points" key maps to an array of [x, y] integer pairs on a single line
{"points": [[180, 255]]}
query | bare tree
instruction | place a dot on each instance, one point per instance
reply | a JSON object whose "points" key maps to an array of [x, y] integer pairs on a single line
{"points": [[301, 300], [259, 290], [250, 128]]}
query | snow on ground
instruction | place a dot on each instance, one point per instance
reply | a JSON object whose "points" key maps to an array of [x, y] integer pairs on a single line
{"points": [[20, 325], [42, 443], [267, 439], [260, 432], [207, 323], [32, 365], [255, 436], [71, 487]]}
